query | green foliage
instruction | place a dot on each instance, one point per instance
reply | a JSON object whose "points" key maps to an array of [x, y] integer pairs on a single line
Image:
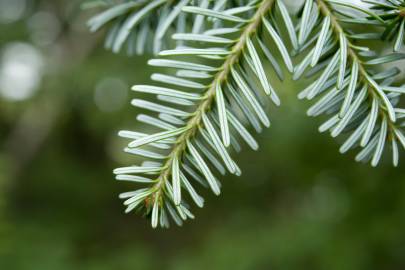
{"points": [[216, 83]]}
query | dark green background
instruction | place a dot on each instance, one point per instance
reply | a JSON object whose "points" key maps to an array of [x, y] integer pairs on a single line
{"points": [[298, 205]]}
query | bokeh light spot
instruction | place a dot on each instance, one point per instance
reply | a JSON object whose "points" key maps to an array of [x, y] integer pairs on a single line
{"points": [[12, 10], [111, 94], [20, 71]]}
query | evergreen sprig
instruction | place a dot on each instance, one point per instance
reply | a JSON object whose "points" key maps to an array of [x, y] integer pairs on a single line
{"points": [[361, 102], [210, 104]]}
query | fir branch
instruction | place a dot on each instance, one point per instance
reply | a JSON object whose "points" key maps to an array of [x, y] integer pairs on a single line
{"points": [[219, 108], [360, 105]]}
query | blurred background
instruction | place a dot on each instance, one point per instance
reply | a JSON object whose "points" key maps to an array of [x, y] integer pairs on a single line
{"points": [[299, 205]]}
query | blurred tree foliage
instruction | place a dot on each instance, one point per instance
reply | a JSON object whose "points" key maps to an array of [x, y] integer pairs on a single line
{"points": [[290, 210]]}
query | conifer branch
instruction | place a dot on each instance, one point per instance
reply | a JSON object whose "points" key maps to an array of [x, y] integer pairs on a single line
{"points": [[358, 103], [229, 97]]}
